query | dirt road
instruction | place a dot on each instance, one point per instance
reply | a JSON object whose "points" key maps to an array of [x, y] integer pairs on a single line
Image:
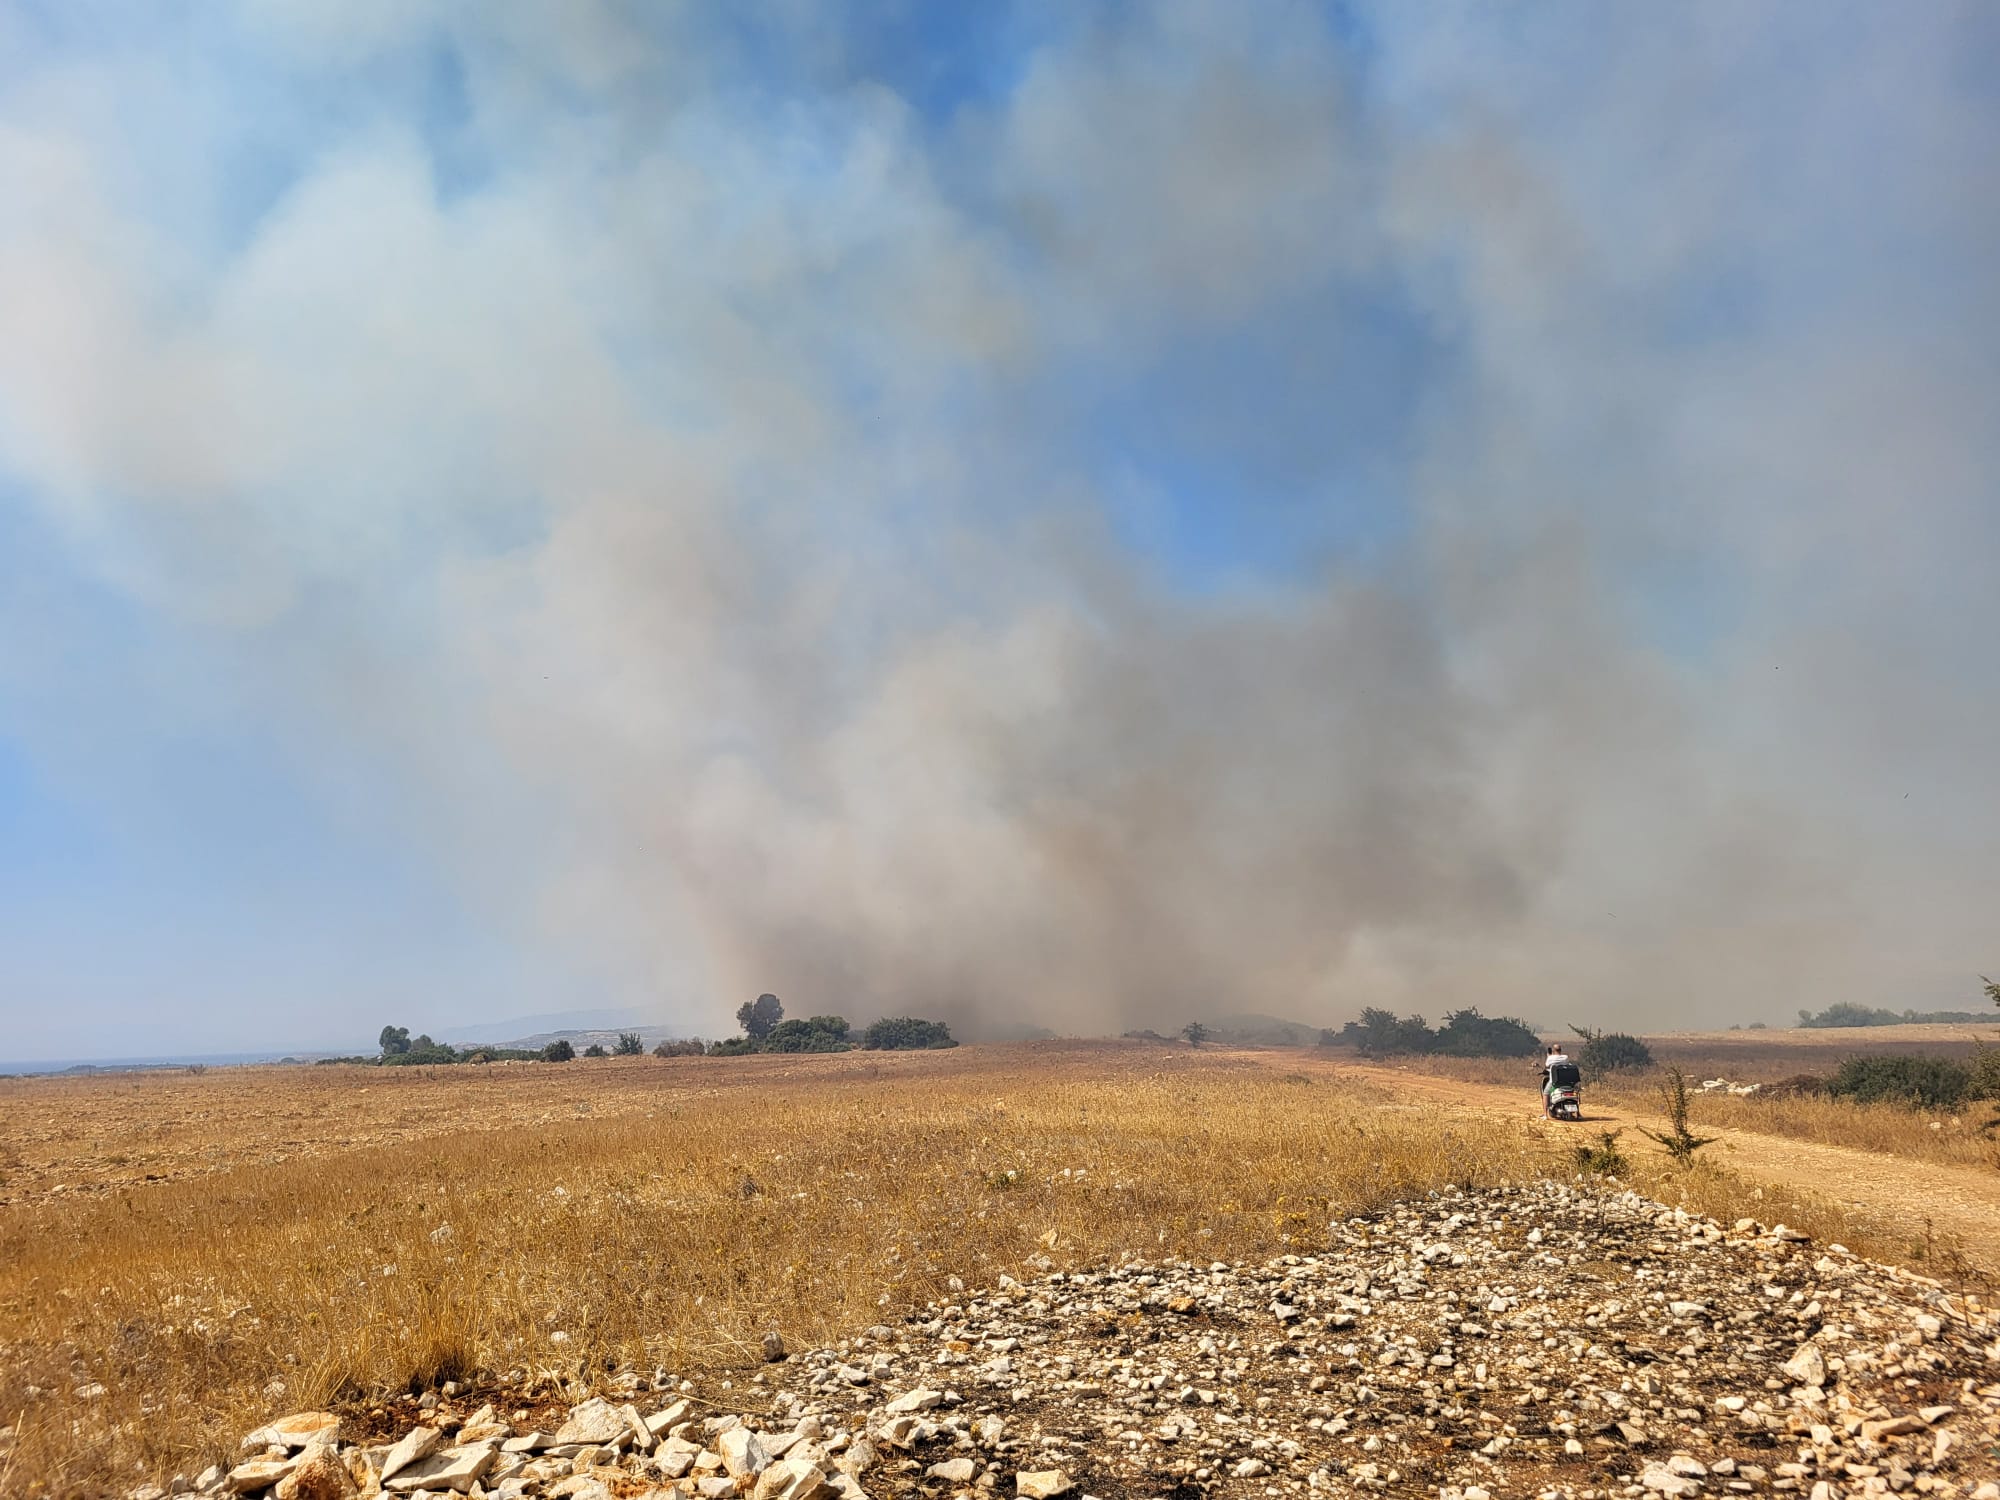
{"points": [[1893, 1192]]}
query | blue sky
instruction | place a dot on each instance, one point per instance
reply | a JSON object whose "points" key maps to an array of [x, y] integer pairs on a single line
{"points": [[1079, 514]]}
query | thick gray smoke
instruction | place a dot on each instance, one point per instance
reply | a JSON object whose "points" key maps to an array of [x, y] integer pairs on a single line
{"points": [[733, 516]]}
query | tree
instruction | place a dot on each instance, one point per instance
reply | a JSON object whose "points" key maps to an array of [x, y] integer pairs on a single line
{"points": [[595, 1049], [1992, 989], [1195, 1033], [758, 1016], [558, 1051], [629, 1045], [394, 1039], [906, 1034]]}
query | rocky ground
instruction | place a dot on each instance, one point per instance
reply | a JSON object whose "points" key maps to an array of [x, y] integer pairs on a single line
{"points": [[1534, 1341]]}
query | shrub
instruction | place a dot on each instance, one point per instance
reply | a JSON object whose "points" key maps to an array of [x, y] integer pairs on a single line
{"points": [[906, 1034], [686, 1047], [595, 1049], [1608, 1052], [1920, 1082], [1986, 1073], [629, 1045], [1194, 1033], [735, 1046], [558, 1051], [818, 1034], [1466, 1033], [1604, 1159]]}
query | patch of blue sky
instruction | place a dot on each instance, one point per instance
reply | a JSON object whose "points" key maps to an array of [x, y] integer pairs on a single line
{"points": [[1268, 451], [938, 58]]}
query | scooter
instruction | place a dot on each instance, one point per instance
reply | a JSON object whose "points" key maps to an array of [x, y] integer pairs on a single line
{"points": [[1564, 1091]]}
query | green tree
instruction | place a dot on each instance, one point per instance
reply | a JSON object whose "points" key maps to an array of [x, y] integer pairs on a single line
{"points": [[595, 1049], [758, 1016], [558, 1051], [1195, 1033], [629, 1045], [1992, 989], [395, 1040]]}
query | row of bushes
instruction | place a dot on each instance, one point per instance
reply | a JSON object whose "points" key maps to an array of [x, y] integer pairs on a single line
{"points": [[833, 1034], [1465, 1033], [1862, 1015]]}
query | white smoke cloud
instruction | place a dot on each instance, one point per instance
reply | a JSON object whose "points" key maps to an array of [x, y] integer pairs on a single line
{"points": [[685, 505]]}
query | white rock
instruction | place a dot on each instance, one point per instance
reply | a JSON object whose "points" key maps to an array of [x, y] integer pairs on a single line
{"points": [[914, 1401], [743, 1453], [418, 1442], [299, 1430], [793, 1479], [1659, 1478], [453, 1469], [595, 1421], [258, 1473], [1042, 1484], [1808, 1366]]}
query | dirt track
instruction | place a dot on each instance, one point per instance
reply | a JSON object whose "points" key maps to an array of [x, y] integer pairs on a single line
{"points": [[1961, 1203]]}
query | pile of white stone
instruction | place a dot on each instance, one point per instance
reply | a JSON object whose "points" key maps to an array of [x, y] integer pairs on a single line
{"points": [[1533, 1341]]}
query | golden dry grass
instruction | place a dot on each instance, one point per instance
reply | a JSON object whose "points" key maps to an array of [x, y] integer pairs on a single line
{"points": [[546, 1223]]}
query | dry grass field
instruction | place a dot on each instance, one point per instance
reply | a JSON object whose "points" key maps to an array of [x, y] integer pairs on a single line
{"points": [[174, 1249]]}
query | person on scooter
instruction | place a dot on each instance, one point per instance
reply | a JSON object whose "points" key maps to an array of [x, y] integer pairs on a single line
{"points": [[1556, 1055]]}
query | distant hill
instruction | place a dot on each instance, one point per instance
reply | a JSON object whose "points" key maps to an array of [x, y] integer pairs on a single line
{"points": [[550, 1024]]}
